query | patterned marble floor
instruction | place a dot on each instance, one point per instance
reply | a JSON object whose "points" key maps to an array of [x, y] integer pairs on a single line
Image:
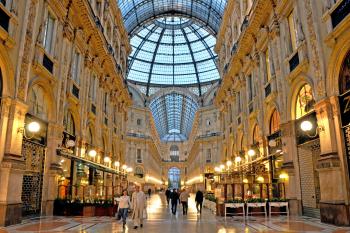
{"points": [[160, 220]]}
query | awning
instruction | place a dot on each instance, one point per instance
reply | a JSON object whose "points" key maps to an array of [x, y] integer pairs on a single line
{"points": [[63, 153]]}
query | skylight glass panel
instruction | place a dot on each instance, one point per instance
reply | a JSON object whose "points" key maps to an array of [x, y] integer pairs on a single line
{"points": [[177, 47]]}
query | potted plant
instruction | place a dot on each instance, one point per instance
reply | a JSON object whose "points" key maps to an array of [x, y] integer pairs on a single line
{"points": [[233, 206], [76, 207], [60, 207], [88, 208], [256, 205], [104, 207], [278, 206], [210, 202]]}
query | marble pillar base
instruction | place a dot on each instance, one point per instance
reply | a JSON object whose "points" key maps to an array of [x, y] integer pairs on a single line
{"points": [[337, 214], [10, 214], [295, 208]]}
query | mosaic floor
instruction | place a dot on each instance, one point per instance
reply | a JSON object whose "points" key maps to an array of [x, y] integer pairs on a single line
{"points": [[160, 220]]}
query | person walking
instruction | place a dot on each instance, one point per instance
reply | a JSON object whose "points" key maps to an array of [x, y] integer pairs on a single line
{"points": [[199, 201], [138, 203], [184, 201], [149, 192], [174, 200], [123, 207], [167, 194]]}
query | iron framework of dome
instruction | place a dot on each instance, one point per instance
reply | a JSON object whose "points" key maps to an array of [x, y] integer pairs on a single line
{"points": [[174, 114], [173, 51], [173, 43]]}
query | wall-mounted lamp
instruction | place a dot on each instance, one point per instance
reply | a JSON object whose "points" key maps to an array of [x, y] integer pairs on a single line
{"points": [[306, 126], [251, 152], [238, 159], [33, 127], [129, 169], [229, 163], [107, 159], [92, 153], [124, 167], [217, 169], [245, 180], [283, 176], [116, 164]]}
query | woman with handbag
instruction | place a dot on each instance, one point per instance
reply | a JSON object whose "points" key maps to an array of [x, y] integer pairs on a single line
{"points": [[123, 207]]}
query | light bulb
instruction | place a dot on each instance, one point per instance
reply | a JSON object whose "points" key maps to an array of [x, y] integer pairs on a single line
{"points": [[238, 159], [229, 163], [33, 127], [116, 163], [107, 159], [306, 126], [92, 153], [251, 152]]}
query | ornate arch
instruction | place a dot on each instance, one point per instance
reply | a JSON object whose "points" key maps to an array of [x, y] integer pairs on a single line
{"points": [[294, 90], [340, 51], [7, 73]]}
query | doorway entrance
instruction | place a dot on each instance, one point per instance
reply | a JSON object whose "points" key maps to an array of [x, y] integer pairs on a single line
{"points": [[174, 178]]}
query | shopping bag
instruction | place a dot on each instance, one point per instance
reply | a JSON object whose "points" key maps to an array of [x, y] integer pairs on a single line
{"points": [[144, 214]]}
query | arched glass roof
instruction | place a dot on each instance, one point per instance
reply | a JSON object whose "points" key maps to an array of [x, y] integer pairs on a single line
{"points": [[174, 114], [173, 51], [136, 12]]}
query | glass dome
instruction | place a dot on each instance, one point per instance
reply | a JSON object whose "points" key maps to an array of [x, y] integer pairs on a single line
{"points": [[173, 51]]}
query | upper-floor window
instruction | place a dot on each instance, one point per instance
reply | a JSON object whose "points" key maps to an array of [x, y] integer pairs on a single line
{"points": [[267, 65], [75, 67], [93, 86], [48, 33], [274, 122], [208, 122], [344, 76], [239, 108], [208, 156], [38, 105], [250, 88], [174, 153], [69, 125], [138, 156], [138, 122], [292, 31], [115, 115], [305, 101], [105, 103]]}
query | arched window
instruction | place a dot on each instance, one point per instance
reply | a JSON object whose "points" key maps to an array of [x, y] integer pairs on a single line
{"points": [[305, 101], [344, 76], [256, 136], [90, 138], [274, 122], [37, 103], [174, 153], [69, 125]]}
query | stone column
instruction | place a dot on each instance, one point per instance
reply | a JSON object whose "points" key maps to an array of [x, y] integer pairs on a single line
{"points": [[334, 209], [53, 168], [12, 166], [291, 167]]}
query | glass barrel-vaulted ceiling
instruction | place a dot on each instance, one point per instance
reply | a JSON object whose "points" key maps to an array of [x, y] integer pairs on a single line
{"points": [[174, 114], [172, 46], [137, 12], [173, 51]]}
